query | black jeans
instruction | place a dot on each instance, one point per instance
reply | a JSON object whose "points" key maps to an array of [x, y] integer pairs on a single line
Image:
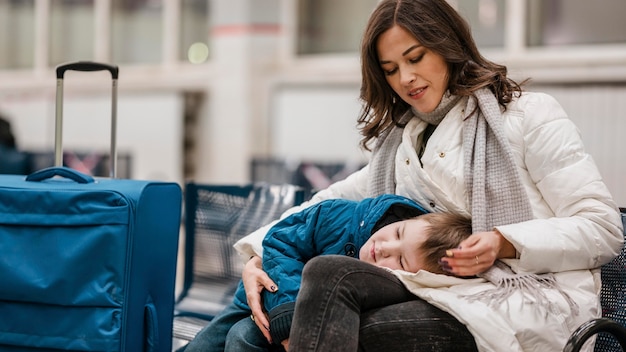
{"points": [[348, 305]]}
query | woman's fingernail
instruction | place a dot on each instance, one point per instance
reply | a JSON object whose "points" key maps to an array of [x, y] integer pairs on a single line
{"points": [[449, 253], [273, 288], [444, 265]]}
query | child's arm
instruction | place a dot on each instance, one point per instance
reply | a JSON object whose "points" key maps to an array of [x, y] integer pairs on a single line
{"points": [[288, 246]]}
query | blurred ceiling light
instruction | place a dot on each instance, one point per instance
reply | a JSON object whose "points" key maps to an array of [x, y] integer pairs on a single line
{"points": [[198, 53], [488, 13]]}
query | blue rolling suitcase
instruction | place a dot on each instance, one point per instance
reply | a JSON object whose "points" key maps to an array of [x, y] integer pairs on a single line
{"points": [[87, 264]]}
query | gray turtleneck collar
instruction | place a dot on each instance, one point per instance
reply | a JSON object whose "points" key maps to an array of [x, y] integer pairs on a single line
{"points": [[448, 101]]}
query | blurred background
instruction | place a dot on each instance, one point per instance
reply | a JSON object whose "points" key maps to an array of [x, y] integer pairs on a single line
{"points": [[232, 91]]}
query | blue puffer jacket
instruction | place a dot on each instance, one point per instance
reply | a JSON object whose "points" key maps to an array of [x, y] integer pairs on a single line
{"points": [[335, 226]]}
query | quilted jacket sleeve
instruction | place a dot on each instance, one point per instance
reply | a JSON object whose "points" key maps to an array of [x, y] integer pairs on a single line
{"points": [[578, 225], [287, 247]]}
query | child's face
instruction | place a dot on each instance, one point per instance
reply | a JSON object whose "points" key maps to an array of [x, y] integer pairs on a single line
{"points": [[396, 246]]}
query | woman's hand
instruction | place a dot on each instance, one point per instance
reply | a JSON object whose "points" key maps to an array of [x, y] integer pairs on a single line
{"points": [[285, 344], [477, 253], [254, 281]]}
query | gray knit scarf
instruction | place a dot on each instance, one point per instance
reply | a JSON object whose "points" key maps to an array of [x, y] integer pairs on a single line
{"points": [[496, 193]]}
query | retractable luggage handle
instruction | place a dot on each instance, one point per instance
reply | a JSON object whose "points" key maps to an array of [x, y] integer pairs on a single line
{"points": [[85, 66]]}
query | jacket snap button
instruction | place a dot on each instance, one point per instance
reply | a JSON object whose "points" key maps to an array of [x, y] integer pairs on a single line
{"points": [[442, 155], [432, 204], [407, 161], [350, 249]]}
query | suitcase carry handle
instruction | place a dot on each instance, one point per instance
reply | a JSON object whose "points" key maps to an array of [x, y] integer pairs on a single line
{"points": [[85, 66], [66, 172]]}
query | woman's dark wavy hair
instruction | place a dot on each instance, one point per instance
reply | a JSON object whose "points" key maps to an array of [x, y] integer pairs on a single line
{"points": [[440, 28]]}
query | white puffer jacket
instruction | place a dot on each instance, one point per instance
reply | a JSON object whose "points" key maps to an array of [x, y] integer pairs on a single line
{"points": [[577, 226]]}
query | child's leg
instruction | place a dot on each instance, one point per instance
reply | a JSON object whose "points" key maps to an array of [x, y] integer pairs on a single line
{"points": [[231, 330], [213, 337], [246, 336]]}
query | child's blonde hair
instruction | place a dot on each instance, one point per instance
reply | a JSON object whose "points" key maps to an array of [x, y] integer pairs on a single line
{"points": [[444, 231]]}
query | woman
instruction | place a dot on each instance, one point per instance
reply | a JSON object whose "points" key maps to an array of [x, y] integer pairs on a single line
{"points": [[455, 134]]}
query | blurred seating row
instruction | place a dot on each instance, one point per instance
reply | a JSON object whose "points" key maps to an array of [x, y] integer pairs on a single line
{"points": [[17, 162], [310, 175]]}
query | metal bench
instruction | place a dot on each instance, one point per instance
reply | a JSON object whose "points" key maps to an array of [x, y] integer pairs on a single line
{"points": [[611, 328], [216, 216]]}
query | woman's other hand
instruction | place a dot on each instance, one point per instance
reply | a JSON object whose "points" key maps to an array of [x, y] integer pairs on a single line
{"points": [[285, 344], [255, 280], [477, 253]]}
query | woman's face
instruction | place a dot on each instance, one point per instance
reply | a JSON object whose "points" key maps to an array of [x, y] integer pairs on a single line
{"points": [[418, 75]]}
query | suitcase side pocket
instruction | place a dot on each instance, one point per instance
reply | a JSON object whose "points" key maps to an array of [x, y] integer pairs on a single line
{"points": [[65, 260]]}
